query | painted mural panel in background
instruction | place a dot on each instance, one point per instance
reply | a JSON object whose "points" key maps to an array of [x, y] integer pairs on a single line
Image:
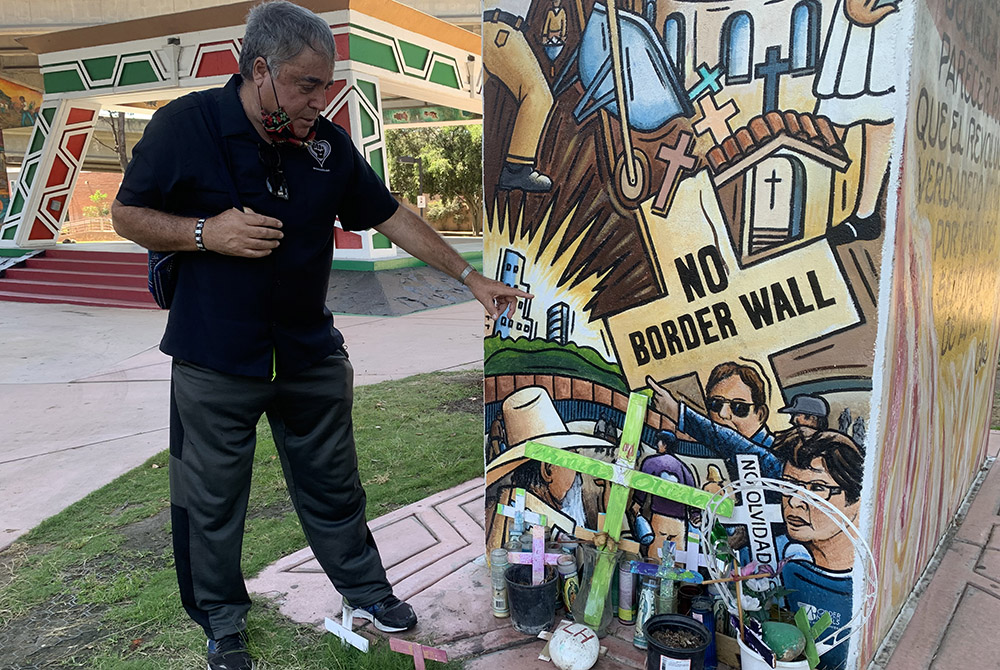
{"points": [[694, 192], [941, 345], [19, 105]]}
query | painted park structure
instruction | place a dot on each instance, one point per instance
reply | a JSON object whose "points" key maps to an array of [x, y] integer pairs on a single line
{"points": [[764, 214], [384, 49]]}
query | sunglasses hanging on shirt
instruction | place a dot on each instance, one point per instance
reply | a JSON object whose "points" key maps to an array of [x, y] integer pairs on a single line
{"points": [[275, 181]]}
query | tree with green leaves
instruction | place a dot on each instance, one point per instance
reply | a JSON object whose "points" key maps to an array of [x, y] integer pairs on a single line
{"points": [[452, 164], [101, 206]]}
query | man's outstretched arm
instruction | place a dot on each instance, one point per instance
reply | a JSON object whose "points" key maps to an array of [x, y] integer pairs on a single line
{"points": [[417, 238]]}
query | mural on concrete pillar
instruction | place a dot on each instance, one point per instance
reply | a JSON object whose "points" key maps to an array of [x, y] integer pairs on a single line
{"points": [[941, 344], [19, 105], [699, 213]]}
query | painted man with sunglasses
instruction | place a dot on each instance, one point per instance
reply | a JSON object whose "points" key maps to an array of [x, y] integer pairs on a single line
{"points": [[246, 181], [737, 412]]}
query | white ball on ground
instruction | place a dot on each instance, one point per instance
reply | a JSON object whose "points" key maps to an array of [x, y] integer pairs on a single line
{"points": [[574, 647]]}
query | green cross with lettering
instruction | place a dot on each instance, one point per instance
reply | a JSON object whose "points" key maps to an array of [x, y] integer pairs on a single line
{"points": [[624, 478]]}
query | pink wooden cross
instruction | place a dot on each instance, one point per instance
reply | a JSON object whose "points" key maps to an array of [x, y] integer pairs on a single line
{"points": [[715, 120], [419, 652], [537, 558]]}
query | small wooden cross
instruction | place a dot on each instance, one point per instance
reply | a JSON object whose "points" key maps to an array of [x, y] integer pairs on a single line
{"points": [[811, 633], [519, 514], [345, 632], [677, 158], [708, 81], [715, 120], [418, 651], [752, 634], [691, 555], [536, 558], [661, 571], [623, 478]]}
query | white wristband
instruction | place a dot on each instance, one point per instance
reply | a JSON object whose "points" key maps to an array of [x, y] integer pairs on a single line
{"points": [[465, 273], [199, 239]]}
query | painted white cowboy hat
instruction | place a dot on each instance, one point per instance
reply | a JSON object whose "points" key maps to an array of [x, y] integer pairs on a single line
{"points": [[530, 414]]}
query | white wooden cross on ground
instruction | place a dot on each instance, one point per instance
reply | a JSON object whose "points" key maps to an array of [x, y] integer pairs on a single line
{"points": [[623, 478], [345, 631], [536, 558], [419, 652]]}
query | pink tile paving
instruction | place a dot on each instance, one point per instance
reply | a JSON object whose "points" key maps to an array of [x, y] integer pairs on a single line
{"points": [[954, 618]]}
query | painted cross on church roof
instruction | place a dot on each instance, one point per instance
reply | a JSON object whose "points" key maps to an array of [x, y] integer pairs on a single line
{"points": [[771, 71], [677, 159], [708, 81], [715, 119]]}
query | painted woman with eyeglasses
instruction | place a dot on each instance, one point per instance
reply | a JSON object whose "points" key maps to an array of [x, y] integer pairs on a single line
{"points": [[737, 411], [820, 554]]}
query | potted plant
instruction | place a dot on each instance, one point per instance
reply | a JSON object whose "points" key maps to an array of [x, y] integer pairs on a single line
{"points": [[754, 594], [675, 637], [757, 591]]}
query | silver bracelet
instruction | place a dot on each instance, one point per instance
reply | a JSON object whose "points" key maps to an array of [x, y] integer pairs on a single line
{"points": [[199, 230], [465, 273]]}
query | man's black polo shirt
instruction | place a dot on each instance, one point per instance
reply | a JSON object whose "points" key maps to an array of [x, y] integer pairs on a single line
{"points": [[240, 315]]}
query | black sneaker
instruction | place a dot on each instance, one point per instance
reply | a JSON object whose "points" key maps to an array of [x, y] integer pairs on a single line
{"points": [[229, 653], [523, 177], [390, 615]]}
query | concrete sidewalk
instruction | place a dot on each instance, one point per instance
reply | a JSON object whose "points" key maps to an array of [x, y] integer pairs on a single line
{"points": [[84, 391]]}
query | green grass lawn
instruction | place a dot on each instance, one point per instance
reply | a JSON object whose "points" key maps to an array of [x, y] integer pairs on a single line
{"points": [[94, 586]]}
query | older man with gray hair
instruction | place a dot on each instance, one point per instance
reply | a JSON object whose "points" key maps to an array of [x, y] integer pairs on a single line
{"points": [[244, 183]]}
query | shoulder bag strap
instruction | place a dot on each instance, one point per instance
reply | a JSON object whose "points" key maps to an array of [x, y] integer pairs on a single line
{"points": [[210, 112]]}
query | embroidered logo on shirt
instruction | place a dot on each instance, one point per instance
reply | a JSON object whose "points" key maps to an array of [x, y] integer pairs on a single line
{"points": [[320, 150]]}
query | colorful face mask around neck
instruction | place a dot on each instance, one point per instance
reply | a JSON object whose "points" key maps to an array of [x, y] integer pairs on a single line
{"points": [[278, 126]]}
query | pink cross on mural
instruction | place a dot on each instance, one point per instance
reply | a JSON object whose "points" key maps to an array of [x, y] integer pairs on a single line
{"points": [[715, 120], [677, 159]]}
